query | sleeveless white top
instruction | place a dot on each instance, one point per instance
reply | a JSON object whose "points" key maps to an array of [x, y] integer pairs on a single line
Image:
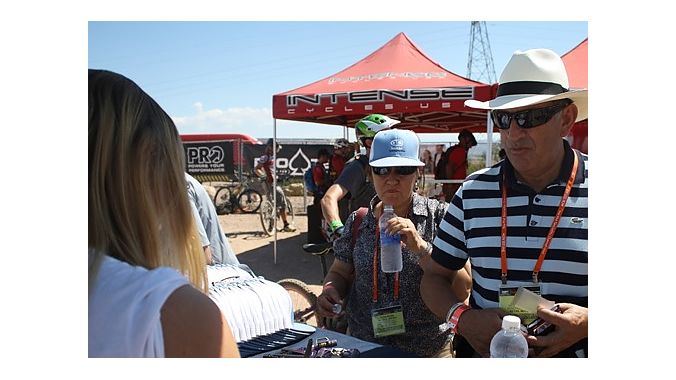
{"points": [[124, 309]]}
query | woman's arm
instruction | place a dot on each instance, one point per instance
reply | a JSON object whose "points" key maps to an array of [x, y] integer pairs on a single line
{"points": [[336, 285], [194, 327]]}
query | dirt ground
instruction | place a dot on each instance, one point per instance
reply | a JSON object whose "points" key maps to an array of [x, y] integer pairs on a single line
{"points": [[253, 248]]}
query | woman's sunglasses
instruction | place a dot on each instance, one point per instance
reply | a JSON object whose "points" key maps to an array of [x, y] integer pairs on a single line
{"points": [[527, 119], [400, 170]]}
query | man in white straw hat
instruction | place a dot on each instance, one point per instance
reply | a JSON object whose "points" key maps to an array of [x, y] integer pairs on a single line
{"points": [[523, 222]]}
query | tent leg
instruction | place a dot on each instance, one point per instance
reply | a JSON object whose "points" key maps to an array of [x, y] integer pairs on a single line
{"points": [[489, 140], [274, 187]]}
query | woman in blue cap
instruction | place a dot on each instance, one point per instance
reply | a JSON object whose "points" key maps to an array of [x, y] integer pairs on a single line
{"points": [[386, 308]]}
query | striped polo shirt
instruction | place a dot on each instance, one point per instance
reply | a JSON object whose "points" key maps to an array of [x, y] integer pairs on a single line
{"points": [[471, 229]]}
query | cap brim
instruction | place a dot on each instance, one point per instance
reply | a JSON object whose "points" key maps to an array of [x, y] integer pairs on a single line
{"points": [[395, 161], [579, 97]]}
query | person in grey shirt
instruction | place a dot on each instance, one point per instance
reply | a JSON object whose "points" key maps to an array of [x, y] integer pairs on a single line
{"points": [[353, 180], [208, 226]]}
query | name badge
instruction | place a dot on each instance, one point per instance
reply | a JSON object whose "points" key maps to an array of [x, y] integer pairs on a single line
{"points": [[506, 296], [388, 321]]}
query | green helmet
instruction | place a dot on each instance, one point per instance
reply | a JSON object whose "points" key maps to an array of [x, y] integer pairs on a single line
{"points": [[372, 124]]}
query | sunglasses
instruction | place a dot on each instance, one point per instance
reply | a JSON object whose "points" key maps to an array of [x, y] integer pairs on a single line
{"points": [[529, 118], [399, 170]]}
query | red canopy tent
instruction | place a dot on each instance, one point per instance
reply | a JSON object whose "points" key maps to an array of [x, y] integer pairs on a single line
{"points": [[576, 65], [398, 80]]}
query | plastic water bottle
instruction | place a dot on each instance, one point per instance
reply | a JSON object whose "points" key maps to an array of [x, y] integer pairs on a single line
{"points": [[390, 245], [509, 342]]}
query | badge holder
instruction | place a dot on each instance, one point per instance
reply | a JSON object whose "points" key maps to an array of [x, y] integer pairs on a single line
{"points": [[388, 321], [507, 295]]}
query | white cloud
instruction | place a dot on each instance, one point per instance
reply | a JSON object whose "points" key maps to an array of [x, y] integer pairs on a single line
{"points": [[256, 122], [230, 120]]}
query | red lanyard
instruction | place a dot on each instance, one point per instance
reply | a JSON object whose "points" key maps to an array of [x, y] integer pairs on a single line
{"points": [[375, 271], [552, 229]]}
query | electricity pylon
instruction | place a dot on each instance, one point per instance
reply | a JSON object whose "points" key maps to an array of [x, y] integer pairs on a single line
{"points": [[480, 60]]}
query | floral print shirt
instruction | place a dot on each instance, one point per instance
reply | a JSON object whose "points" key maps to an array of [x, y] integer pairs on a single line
{"points": [[422, 336]]}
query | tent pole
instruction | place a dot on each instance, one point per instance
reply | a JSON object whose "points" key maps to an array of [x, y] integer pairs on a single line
{"points": [[241, 157], [489, 140], [274, 187]]}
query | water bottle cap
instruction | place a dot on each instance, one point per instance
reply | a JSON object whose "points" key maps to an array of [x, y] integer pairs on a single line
{"points": [[511, 322], [388, 207]]}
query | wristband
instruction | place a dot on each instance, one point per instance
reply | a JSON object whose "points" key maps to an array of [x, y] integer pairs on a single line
{"points": [[335, 224], [451, 310], [453, 316]]}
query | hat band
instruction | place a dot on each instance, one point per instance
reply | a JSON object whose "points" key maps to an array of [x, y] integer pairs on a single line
{"points": [[530, 87]]}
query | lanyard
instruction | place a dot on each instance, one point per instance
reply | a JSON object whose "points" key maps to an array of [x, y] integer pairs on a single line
{"points": [[375, 271], [552, 229]]}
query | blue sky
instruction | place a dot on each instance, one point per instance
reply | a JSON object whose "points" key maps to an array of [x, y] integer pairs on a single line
{"points": [[219, 77]]}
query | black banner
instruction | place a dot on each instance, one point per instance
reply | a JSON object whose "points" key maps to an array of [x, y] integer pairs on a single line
{"points": [[292, 160], [209, 158]]}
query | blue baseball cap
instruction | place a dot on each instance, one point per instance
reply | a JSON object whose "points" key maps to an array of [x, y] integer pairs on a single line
{"points": [[395, 147]]}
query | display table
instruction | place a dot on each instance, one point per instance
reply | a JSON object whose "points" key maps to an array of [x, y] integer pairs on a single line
{"points": [[366, 349]]}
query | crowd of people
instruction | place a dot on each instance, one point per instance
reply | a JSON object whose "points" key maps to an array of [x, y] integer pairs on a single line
{"points": [[519, 223], [499, 218]]}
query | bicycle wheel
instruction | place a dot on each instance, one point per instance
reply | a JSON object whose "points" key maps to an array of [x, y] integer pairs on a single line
{"points": [[222, 201], [249, 200], [267, 218], [303, 299]]}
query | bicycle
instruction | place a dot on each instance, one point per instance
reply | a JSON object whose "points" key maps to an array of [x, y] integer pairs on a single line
{"points": [[240, 195], [304, 300], [266, 212]]}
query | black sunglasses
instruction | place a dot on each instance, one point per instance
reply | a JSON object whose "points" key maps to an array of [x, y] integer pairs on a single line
{"points": [[400, 170], [529, 118]]}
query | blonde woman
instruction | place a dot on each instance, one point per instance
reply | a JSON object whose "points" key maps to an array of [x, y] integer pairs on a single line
{"points": [[147, 279]]}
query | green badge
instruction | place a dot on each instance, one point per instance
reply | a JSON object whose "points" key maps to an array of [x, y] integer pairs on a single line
{"points": [[388, 321], [506, 296]]}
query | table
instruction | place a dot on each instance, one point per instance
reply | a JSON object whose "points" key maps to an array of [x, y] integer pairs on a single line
{"points": [[366, 349]]}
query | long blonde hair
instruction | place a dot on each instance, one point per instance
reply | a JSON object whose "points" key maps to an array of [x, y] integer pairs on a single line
{"points": [[138, 204]]}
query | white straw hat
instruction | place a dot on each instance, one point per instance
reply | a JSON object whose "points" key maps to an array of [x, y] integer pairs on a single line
{"points": [[532, 77]]}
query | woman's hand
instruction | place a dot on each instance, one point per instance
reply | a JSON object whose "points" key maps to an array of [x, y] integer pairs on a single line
{"points": [[327, 299], [409, 234]]}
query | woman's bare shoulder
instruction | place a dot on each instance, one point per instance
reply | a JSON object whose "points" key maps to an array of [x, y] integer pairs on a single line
{"points": [[193, 326]]}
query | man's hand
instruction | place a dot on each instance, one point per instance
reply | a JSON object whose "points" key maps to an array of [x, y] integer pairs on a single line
{"points": [[334, 230], [478, 327], [337, 233], [571, 327]]}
